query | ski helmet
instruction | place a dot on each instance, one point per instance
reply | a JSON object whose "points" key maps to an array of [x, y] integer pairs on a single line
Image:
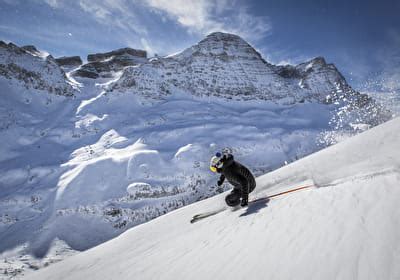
{"points": [[216, 162]]}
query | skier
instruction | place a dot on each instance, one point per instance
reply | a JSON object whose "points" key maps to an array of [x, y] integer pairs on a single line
{"points": [[238, 175]]}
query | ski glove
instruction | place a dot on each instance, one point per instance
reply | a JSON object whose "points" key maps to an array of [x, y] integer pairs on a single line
{"points": [[221, 180], [245, 201]]}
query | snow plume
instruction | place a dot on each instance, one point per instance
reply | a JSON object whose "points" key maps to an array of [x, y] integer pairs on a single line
{"points": [[390, 59], [349, 119], [383, 79]]}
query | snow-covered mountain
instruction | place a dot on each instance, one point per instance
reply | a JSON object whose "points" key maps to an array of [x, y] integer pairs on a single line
{"points": [[347, 227], [85, 157], [224, 65], [33, 69]]}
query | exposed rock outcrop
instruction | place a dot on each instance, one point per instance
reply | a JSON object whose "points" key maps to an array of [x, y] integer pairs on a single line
{"points": [[117, 53], [32, 69], [106, 64], [69, 61]]}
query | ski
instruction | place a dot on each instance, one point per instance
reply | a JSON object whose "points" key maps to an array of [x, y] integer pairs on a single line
{"points": [[201, 216], [204, 215]]}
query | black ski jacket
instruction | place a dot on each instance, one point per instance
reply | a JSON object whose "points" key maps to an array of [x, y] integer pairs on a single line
{"points": [[236, 174]]}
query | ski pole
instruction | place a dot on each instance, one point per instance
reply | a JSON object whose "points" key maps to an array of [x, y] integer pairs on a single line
{"points": [[292, 190]]}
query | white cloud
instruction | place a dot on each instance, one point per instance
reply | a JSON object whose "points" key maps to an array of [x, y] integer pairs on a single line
{"points": [[193, 16], [249, 25], [146, 46], [117, 13], [99, 11], [197, 16], [205, 16], [53, 3], [136, 20]]}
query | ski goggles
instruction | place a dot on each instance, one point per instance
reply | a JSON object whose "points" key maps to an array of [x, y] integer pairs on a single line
{"points": [[215, 162]]}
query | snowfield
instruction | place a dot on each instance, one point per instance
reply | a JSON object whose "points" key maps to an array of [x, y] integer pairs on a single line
{"points": [[347, 227], [89, 151]]}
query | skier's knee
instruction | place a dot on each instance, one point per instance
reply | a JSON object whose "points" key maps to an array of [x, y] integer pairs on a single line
{"points": [[233, 199]]}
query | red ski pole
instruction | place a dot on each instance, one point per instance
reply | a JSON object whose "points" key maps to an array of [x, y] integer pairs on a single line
{"points": [[292, 190]]}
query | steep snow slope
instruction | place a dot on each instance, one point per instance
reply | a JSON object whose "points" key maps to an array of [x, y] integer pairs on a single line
{"points": [[111, 153], [346, 228]]}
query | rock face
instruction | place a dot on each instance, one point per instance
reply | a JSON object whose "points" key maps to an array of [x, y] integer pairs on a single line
{"points": [[69, 61], [31, 49], [33, 69], [117, 53], [104, 64], [224, 65]]}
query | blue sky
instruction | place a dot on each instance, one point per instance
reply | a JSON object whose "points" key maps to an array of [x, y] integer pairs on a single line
{"points": [[362, 38]]}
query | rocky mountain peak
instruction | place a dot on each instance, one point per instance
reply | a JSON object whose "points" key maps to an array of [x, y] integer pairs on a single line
{"points": [[225, 66], [69, 61], [116, 53], [226, 44], [222, 37], [104, 64], [11, 48], [319, 60], [33, 69], [31, 49]]}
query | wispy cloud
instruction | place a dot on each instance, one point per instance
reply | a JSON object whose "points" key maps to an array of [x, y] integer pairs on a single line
{"points": [[143, 20], [47, 36], [53, 3], [205, 16], [117, 13], [146, 46], [193, 16]]}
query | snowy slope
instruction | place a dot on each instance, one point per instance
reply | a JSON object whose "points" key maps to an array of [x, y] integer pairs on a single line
{"points": [[347, 228], [111, 153]]}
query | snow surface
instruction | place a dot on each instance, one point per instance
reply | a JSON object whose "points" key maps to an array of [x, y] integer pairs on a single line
{"points": [[345, 228], [82, 160], [69, 168], [14, 264]]}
